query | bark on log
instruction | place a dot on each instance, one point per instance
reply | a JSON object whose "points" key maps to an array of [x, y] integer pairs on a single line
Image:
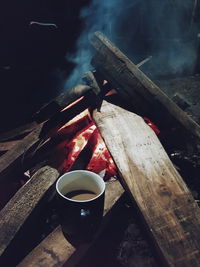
{"points": [[166, 204], [17, 210], [134, 85], [55, 250]]}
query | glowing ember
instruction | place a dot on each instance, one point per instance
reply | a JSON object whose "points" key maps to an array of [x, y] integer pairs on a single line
{"points": [[81, 133], [101, 159], [76, 145]]}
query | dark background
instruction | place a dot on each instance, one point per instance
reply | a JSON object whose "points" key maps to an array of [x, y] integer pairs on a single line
{"points": [[33, 66]]}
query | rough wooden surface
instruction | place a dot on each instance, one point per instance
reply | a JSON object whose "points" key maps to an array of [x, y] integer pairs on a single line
{"points": [[19, 149], [61, 101], [5, 146], [17, 210], [133, 84], [167, 206], [41, 133], [55, 250], [18, 131]]}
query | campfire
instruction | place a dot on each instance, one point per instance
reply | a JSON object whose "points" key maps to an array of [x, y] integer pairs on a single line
{"points": [[116, 133]]}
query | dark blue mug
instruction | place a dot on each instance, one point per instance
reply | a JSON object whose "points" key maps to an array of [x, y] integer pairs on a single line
{"points": [[80, 203]]}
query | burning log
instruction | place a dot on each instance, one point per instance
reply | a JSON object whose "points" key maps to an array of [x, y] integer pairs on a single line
{"points": [[171, 214], [133, 84]]}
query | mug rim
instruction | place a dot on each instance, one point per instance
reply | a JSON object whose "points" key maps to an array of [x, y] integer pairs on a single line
{"points": [[79, 201]]}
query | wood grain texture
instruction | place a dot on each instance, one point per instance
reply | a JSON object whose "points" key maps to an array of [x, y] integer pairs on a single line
{"points": [[24, 129], [167, 206], [17, 210], [5, 146], [134, 85], [55, 250]]}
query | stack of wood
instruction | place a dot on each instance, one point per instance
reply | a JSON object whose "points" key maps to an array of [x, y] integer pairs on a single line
{"points": [[165, 203]]}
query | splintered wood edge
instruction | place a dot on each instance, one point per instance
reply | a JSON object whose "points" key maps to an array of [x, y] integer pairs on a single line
{"points": [[17, 210], [148, 175], [55, 250]]}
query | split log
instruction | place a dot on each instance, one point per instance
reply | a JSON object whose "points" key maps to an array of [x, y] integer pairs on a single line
{"points": [[55, 250], [134, 85], [17, 210], [166, 204]]}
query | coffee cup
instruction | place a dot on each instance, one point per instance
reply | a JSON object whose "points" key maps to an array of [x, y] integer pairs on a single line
{"points": [[80, 203]]}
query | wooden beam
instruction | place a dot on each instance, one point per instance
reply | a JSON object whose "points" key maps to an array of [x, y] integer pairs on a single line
{"points": [[134, 85], [166, 204], [55, 250], [17, 210]]}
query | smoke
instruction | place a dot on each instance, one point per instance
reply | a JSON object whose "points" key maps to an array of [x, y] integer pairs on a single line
{"points": [[171, 36], [98, 16], [140, 28]]}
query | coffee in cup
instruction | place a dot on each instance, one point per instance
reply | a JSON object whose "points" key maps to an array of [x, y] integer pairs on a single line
{"points": [[80, 202]]}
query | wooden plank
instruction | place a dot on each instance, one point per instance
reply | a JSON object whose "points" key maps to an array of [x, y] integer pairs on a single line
{"points": [[134, 85], [55, 250], [17, 210], [166, 204], [5, 146], [11, 156], [48, 111], [24, 129], [61, 101], [42, 132]]}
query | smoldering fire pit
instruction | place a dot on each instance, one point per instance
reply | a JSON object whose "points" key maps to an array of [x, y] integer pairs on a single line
{"points": [[156, 190]]}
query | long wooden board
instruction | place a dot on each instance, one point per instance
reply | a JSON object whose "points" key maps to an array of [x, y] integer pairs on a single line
{"points": [[167, 206], [135, 86], [17, 210]]}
